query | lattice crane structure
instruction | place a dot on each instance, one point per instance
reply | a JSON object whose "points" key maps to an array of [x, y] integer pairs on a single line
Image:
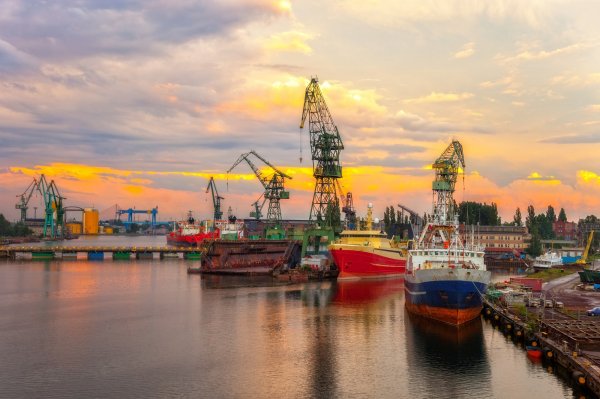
{"points": [[326, 145], [274, 186], [216, 198], [24, 198], [446, 167], [347, 207], [54, 215]]}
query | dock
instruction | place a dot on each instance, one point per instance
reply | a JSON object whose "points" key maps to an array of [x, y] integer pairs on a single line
{"points": [[572, 343], [99, 253]]}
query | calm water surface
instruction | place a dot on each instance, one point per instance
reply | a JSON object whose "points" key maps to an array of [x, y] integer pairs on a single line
{"points": [[78, 329]]}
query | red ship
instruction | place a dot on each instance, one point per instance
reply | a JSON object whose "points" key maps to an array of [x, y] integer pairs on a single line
{"points": [[368, 253], [190, 234]]}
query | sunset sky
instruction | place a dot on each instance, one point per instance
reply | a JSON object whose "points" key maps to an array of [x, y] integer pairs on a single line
{"points": [[138, 103]]}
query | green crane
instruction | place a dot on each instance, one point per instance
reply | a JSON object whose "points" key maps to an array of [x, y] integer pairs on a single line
{"points": [[326, 145], [446, 171], [54, 213], [216, 198], [24, 198], [273, 185]]}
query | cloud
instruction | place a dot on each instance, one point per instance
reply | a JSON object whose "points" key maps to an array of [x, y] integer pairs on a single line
{"points": [[467, 51], [593, 108], [13, 59], [409, 12], [573, 139], [290, 41], [72, 28], [436, 97]]}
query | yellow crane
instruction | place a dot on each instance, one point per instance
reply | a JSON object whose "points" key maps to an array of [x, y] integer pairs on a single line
{"points": [[583, 259]]}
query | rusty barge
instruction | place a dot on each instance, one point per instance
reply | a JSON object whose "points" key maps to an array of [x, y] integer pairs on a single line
{"points": [[248, 257]]}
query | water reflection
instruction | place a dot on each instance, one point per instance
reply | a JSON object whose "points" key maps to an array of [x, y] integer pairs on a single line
{"points": [[366, 291], [436, 351]]}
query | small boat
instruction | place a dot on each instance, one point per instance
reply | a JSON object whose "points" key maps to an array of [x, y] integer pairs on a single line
{"points": [[534, 351], [547, 261]]}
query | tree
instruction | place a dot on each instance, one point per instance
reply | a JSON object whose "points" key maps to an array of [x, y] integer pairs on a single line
{"points": [[562, 216], [530, 219], [535, 245], [517, 219], [476, 212], [392, 215], [550, 214]]}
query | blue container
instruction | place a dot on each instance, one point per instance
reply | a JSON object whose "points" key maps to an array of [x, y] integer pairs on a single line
{"points": [[596, 287], [95, 255]]}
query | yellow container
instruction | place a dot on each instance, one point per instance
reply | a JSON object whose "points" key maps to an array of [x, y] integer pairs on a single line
{"points": [[74, 228], [90, 221], [108, 230]]}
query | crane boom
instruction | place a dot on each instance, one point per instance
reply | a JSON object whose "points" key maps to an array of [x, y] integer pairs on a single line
{"points": [[273, 185], [583, 259], [23, 204], [216, 198], [326, 145]]}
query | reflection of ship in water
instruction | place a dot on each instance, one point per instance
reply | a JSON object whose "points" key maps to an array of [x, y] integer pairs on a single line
{"points": [[446, 361], [357, 292]]}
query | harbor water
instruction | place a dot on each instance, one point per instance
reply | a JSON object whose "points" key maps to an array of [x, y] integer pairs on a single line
{"points": [[147, 329]]}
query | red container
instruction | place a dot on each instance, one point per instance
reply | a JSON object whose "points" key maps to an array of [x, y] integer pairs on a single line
{"points": [[534, 283]]}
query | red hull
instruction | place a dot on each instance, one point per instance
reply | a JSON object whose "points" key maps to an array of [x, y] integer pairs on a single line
{"points": [[361, 264], [189, 240], [454, 317]]}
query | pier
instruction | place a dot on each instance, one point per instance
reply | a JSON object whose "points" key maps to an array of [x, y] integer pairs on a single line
{"points": [[98, 253], [574, 344]]}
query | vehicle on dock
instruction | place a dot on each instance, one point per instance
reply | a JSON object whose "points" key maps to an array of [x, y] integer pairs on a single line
{"points": [[594, 311]]}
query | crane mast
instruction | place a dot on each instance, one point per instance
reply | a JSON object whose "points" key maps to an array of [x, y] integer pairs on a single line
{"points": [[326, 146], [347, 207], [446, 171], [54, 213], [24, 198], [216, 198], [273, 186]]}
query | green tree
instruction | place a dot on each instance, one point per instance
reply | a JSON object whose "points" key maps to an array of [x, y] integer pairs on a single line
{"points": [[543, 226], [392, 216], [530, 219], [476, 212], [550, 214], [517, 219], [562, 216], [535, 245], [5, 227]]}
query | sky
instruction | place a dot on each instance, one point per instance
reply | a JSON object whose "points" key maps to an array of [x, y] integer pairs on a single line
{"points": [[137, 103]]}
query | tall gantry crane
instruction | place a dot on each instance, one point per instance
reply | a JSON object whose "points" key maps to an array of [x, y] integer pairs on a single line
{"points": [[54, 214], [24, 198], [446, 168], [347, 207], [216, 198], [273, 185], [326, 145]]}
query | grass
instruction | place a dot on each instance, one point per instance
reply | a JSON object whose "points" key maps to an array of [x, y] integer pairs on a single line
{"points": [[551, 274]]}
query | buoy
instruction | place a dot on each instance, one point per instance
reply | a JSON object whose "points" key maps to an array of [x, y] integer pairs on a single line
{"points": [[548, 353], [488, 311], [496, 317], [579, 377], [518, 332], [508, 326]]}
